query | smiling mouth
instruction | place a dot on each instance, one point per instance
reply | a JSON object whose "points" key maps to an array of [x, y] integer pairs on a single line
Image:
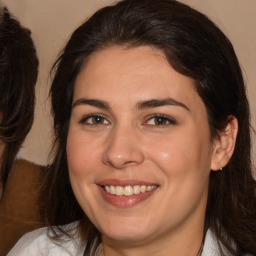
{"points": [[126, 193], [128, 190]]}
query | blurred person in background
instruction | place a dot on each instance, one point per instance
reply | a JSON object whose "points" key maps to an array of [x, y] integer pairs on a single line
{"points": [[19, 179]]}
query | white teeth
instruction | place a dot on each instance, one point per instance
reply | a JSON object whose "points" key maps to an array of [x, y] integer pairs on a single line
{"points": [[149, 188], [136, 190], [112, 190], [107, 188], [128, 190], [119, 190], [143, 188]]}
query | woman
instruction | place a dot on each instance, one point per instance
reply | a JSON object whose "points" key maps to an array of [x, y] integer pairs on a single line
{"points": [[152, 151]]}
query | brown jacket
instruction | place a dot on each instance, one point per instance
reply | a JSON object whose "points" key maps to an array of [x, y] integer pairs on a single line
{"points": [[19, 206]]}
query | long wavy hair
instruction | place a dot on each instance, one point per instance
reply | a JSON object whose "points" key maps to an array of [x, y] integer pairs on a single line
{"points": [[18, 75], [194, 47]]}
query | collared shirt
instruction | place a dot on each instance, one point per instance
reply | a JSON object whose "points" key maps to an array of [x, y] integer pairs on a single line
{"points": [[38, 243]]}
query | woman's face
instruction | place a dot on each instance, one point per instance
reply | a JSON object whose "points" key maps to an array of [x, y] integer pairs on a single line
{"points": [[138, 148]]}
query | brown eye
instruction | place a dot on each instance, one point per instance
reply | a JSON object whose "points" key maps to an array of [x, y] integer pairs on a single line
{"points": [[160, 120], [94, 120], [97, 120]]}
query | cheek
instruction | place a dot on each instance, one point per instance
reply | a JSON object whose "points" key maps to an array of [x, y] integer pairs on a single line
{"points": [[181, 156], [82, 155], [185, 163]]}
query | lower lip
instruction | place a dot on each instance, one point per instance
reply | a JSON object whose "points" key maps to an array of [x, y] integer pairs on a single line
{"points": [[125, 201]]}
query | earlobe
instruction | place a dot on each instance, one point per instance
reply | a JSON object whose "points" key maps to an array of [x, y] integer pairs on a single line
{"points": [[224, 145]]}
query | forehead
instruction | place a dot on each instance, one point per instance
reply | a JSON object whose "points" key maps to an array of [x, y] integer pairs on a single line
{"points": [[132, 74]]}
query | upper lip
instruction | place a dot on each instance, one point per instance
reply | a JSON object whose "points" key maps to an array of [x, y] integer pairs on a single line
{"points": [[123, 183]]}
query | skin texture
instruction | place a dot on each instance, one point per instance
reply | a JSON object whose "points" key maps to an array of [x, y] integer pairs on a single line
{"points": [[129, 143]]}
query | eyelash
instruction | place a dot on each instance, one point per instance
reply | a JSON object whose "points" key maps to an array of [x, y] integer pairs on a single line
{"points": [[166, 119]]}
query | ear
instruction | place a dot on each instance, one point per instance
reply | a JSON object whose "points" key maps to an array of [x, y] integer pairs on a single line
{"points": [[224, 145]]}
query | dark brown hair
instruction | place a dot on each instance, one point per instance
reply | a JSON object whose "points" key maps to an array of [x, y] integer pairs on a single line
{"points": [[18, 74], [194, 47]]}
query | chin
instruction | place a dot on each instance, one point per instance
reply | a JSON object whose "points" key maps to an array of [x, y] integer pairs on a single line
{"points": [[128, 231], [126, 236]]}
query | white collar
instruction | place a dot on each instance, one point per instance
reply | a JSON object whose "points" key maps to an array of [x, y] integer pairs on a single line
{"points": [[211, 246]]}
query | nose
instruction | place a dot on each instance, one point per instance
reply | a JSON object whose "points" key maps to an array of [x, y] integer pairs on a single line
{"points": [[123, 148]]}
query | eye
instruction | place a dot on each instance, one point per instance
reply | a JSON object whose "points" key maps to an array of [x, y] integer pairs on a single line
{"points": [[160, 120], [94, 120]]}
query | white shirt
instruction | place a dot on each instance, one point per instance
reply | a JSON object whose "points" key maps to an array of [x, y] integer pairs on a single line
{"points": [[37, 243]]}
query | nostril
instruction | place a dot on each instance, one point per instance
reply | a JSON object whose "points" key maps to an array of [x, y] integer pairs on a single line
{"points": [[119, 163], [122, 151]]}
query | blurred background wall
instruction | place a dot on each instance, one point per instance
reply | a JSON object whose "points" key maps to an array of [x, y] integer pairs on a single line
{"points": [[52, 22]]}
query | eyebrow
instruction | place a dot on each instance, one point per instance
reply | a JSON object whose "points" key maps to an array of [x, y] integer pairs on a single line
{"points": [[153, 103], [92, 102]]}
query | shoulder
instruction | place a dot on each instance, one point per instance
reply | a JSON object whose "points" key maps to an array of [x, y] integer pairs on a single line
{"points": [[20, 206], [30, 243], [24, 177], [22, 190], [23, 166], [32, 172], [37, 242]]}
